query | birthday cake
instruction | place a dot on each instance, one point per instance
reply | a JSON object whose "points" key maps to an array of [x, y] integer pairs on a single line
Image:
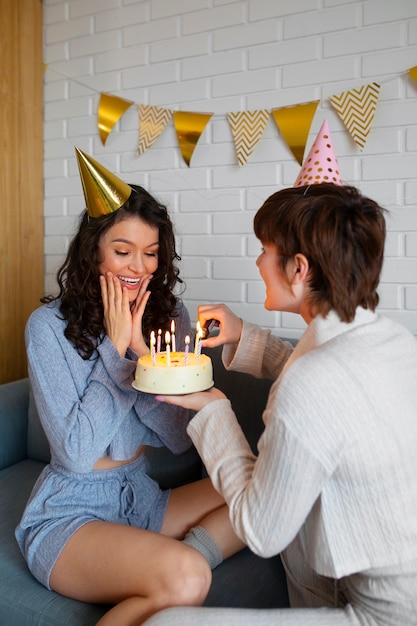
{"points": [[183, 374]]}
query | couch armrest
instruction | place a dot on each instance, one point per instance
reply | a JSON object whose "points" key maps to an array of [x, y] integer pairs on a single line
{"points": [[14, 401]]}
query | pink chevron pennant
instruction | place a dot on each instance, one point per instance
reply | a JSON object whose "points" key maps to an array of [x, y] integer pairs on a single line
{"points": [[152, 121], [247, 128], [357, 109]]}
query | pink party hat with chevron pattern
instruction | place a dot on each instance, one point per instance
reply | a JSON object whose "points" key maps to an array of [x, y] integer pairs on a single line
{"points": [[321, 165]]}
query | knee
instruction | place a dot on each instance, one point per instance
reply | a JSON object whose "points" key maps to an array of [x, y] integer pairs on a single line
{"points": [[192, 580]]}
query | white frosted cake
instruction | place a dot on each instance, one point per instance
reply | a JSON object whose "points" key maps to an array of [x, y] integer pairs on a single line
{"points": [[176, 378]]}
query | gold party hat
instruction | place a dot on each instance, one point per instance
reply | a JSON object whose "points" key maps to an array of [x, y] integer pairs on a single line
{"points": [[104, 192]]}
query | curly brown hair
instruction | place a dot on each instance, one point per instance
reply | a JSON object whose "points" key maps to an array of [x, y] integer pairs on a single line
{"points": [[342, 235], [78, 277]]}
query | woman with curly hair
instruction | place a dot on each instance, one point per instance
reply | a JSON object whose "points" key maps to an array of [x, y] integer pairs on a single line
{"points": [[97, 528]]}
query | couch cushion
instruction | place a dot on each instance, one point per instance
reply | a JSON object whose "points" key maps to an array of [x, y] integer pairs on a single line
{"points": [[172, 470], [246, 580], [24, 601], [13, 422], [38, 446]]}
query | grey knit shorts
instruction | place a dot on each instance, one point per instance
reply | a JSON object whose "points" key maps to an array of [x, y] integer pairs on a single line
{"points": [[63, 501]]}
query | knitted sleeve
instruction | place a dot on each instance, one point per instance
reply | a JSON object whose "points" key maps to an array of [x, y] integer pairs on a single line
{"points": [[269, 496], [258, 353], [81, 404], [89, 409]]}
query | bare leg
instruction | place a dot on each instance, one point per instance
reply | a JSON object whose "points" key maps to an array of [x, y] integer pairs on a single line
{"points": [[199, 503], [139, 571], [142, 572]]}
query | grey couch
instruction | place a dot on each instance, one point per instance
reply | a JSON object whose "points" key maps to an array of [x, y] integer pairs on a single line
{"points": [[244, 580]]}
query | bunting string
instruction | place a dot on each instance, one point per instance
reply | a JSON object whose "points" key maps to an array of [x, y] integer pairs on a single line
{"points": [[355, 107]]}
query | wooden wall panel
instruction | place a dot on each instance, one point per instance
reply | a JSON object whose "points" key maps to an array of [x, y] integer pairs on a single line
{"points": [[21, 178]]}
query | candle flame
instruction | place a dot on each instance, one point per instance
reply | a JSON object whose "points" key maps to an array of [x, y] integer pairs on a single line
{"points": [[167, 337]]}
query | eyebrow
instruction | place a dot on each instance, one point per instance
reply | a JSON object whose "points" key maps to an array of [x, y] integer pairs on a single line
{"points": [[122, 240]]}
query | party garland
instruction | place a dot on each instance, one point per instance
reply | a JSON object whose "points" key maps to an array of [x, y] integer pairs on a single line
{"points": [[356, 108]]}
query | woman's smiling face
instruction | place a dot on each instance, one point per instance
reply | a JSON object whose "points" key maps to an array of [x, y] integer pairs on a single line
{"points": [[129, 249]]}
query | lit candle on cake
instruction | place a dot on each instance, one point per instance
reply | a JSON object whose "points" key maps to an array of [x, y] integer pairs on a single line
{"points": [[174, 347], [187, 348], [168, 352], [158, 344], [153, 341], [197, 337], [198, 341]]}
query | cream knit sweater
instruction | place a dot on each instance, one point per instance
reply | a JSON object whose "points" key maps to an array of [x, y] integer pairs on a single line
{"points": [[337, 462]]}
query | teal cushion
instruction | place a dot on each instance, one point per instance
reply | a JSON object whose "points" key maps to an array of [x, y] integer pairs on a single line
{"points": [[38, 446], [13, 422], [172, 470], [24, 601]]}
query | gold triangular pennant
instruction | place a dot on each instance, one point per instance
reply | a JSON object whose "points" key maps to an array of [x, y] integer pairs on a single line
{"points": [[110, 110], [152, 121], [247, 128], [413, 72], [189, 128], [357, 109], [294, 124]]}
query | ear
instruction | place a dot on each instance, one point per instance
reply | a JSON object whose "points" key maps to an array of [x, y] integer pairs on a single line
{"points": [[300, 269]]}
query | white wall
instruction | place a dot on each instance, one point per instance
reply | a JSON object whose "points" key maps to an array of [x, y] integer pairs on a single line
{"points": [[220, 56]]}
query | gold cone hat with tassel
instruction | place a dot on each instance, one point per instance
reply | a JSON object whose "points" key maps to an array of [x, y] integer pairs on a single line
{"points": [[104, 192]]}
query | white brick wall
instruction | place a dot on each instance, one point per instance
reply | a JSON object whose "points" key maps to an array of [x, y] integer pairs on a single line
{"points": [[219, 56]]}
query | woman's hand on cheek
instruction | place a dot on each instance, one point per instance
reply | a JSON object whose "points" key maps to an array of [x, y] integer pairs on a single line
{"points": [[137, 342], [193, 401], [117, 315]]}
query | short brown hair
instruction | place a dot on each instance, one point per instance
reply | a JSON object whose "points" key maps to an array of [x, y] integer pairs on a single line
{"points": [[342, 235]]}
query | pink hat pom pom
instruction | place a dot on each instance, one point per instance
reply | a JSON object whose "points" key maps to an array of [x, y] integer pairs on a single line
{"points": [[321, 165]]}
